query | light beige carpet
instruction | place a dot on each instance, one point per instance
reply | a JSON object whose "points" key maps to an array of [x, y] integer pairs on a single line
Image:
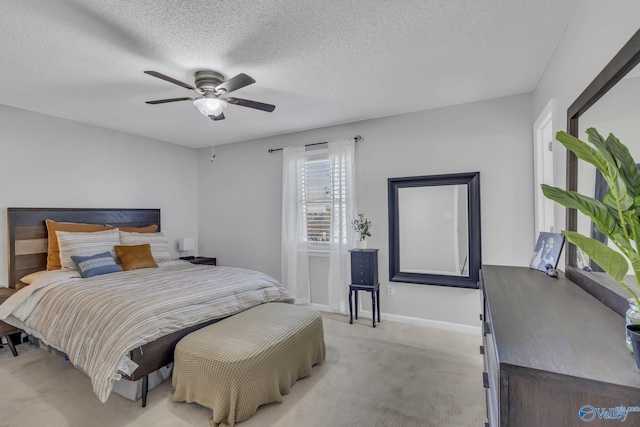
{"points": [[393, 375]]}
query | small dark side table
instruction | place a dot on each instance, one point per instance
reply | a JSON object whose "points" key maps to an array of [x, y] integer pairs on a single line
{"points": [[201, 260], [364, 277], [7, 330]]}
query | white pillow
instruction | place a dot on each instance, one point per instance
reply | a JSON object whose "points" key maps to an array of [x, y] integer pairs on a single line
{"points": [[30, 278], [157, 241], [82, 244]]}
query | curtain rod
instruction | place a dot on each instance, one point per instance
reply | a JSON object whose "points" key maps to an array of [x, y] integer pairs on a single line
{"points": [[356, 138]]}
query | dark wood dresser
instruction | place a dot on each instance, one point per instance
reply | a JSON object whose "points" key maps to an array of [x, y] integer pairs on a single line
{"points": [[554, 355]]}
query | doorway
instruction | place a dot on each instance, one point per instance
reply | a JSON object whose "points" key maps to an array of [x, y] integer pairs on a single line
{"points": [[543, 170]]}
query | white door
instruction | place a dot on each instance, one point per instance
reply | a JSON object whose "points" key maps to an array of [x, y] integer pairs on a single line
{"points": [[543, 169]]}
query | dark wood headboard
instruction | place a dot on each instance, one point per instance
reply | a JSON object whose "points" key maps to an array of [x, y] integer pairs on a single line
{"points": [[27, 232]]}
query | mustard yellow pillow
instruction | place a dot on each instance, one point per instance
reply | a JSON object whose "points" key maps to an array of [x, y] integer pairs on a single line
{"points": [[135, 257], [147, 229], [53, 252]]}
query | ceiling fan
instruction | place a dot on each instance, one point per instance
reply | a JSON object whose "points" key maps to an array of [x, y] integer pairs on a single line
{"points": [[211, 85]]}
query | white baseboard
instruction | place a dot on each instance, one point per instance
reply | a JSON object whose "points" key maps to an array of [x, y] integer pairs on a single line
{"points": [[437, 324], [320, 307]]}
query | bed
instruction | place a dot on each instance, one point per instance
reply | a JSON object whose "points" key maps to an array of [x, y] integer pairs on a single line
{"points": [[28, 254]]}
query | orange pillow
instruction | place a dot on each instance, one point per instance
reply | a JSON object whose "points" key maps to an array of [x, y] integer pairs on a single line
{"points": [[135, 257], [53, 252], [147, 229]]}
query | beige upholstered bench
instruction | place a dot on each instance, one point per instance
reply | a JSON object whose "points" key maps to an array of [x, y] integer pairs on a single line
{"points": [[247, 360]]}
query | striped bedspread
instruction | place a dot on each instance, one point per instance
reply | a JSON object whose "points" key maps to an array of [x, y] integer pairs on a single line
{"points": [[98, 320]]}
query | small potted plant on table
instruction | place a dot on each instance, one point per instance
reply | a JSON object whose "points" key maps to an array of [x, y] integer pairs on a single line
{"points": [[361, 225]]}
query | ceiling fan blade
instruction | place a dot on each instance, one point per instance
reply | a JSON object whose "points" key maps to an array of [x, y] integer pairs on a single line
{"points": [[218, 117], [235, 83], [169, 79], [162, 101], [251, 104]]}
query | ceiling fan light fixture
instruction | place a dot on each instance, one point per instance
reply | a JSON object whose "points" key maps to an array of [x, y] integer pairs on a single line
{"points": [[210, 86], [210, 106]]}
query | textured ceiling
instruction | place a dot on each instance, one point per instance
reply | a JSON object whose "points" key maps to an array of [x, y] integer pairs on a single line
{"points": [[320, 62]]}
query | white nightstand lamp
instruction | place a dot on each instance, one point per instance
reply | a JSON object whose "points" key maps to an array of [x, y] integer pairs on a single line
{"points": [[186, 244]]}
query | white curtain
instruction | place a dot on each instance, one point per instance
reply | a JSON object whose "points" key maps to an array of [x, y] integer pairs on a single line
{"points": [[295, 255], [343, 211]]}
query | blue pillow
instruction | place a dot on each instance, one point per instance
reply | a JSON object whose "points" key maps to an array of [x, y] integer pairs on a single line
{"points": [[94, 265]]}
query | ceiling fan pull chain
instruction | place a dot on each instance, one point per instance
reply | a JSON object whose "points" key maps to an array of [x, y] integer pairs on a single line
{"points": [[213, 150]]}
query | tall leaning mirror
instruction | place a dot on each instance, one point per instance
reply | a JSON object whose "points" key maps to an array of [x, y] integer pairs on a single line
{"points": [[434, 229], [610, 105]]}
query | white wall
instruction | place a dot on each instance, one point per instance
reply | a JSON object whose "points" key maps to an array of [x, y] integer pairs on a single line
{"points": [[51, 162], [597, 31], [239, 201]]}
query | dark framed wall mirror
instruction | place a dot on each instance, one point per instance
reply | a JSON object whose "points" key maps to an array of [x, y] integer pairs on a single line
{"points": [[609, 104], [434, 230]]}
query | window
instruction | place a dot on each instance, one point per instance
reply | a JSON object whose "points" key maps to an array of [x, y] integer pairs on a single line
{"points": [[316, 200], [323, 194]]}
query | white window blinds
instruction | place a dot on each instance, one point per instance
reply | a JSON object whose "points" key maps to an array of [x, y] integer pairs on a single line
{"points": [[316, 200]]}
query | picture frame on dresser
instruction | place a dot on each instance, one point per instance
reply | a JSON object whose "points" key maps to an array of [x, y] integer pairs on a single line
{"points": [[547, 251]]}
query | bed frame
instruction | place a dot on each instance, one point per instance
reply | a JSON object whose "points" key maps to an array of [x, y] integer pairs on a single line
{"points": [[27, 233]]}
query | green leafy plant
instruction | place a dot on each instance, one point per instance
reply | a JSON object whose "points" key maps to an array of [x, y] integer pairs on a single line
{"points": [[361, 225], [618, 216]]}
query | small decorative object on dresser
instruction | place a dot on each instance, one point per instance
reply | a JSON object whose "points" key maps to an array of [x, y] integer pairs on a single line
{"points": [[201, 260], [361, 225], [633, 334], [364, 277]]}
